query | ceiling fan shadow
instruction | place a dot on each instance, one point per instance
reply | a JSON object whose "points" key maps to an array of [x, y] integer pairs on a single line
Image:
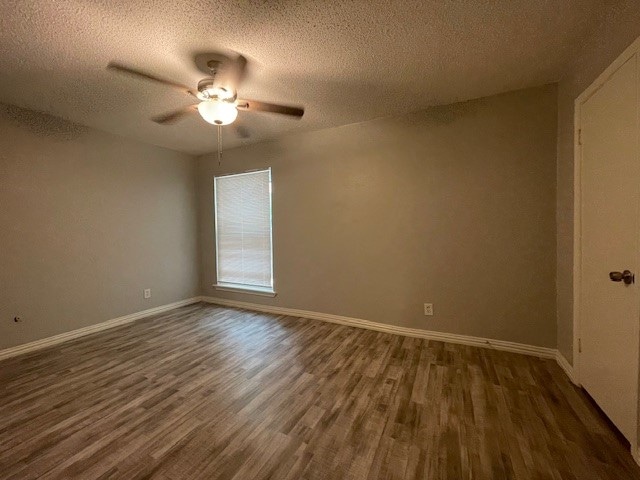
{"points": [[43, 124]]}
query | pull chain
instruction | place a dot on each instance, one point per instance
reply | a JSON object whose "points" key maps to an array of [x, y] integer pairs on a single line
{"points": [[219, 144]]}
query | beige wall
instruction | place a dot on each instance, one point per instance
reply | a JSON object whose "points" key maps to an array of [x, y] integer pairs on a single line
{"points": [[87, 221], [619, 28], [454, 206]]}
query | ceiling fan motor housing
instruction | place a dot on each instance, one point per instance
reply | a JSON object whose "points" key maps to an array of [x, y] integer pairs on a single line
{"points": [[209, 90]]}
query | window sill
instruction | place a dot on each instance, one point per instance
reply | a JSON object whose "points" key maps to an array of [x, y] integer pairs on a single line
{"points": [[226, 287]]}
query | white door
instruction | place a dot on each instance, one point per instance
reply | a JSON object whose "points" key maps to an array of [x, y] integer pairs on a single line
{"points": [[610, 224]]}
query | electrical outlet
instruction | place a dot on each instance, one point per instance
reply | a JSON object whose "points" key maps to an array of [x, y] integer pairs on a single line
{"points": [[428, 309], [17, 319], [147, 293]]}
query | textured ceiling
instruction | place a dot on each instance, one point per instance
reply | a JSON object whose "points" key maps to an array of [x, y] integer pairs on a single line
{"points": [[345, 61]]}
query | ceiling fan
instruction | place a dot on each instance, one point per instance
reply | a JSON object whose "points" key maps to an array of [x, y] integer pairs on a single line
{"points": [[217, 93]]}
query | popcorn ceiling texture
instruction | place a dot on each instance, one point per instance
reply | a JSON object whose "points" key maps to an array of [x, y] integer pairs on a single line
{"points": [[345, 61]]}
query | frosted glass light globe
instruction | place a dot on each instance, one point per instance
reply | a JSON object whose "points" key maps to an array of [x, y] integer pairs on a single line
{"points": [[217, 112]]}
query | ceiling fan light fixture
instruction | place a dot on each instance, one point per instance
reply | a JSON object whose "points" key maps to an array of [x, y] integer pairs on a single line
{"points": [[217, 112]]}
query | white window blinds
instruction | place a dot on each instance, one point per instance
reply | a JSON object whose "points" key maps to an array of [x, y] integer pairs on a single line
{"points": [[243, 229]]}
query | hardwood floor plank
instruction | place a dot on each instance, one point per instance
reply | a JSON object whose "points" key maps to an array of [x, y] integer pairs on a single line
{"points": [[218, 393]]}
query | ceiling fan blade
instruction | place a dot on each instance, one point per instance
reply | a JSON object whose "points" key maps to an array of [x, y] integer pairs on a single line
{"points": [[241, 69], [254, 105], [232, 72], [172, 117], [147, 76]]}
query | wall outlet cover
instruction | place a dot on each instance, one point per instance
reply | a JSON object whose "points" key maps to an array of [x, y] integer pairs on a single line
{"points": [[147, 293], [428, 309]]}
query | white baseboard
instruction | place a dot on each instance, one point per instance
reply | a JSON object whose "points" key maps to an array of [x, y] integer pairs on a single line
{"points": [[503, 345], [81, 332], [566, 366], [542, 352]]}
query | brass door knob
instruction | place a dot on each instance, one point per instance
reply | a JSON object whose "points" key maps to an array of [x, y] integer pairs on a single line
{"points": [[627, 277]]}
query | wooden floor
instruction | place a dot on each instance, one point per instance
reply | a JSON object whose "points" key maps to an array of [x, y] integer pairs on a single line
{"points": [[217, 393]]}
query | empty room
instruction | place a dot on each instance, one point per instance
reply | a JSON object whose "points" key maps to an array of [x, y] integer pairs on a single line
{"points": [[297, 240]]}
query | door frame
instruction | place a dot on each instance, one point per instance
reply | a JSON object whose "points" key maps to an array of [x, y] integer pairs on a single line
{"points": [[633, 49]]}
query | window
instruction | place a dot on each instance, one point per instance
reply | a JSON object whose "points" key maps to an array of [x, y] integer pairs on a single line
{"points": [[244, 256]]}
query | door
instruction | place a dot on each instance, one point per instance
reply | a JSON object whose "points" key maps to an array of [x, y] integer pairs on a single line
{"points": [[610, 224]]}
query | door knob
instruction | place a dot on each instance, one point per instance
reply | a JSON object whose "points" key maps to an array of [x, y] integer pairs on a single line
{"points": [[627, 277]]}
